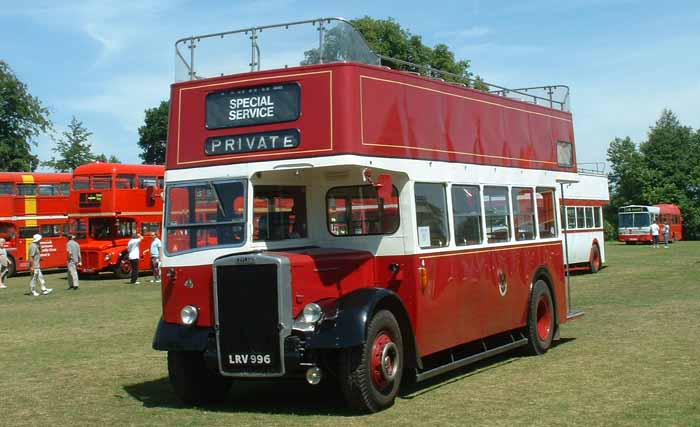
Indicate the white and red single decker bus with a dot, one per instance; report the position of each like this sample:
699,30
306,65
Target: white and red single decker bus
34,203
110,202
341,219
582,220
634,222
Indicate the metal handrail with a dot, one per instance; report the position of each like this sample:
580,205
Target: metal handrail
592,168
427,70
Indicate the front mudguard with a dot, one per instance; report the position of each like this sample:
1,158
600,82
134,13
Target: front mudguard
349,318
174,337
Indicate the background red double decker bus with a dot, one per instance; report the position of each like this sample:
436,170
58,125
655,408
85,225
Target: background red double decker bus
340,219
34,203
110,202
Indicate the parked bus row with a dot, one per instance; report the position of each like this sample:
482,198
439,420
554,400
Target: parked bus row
101,203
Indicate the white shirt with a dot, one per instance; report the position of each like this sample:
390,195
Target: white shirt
654,229
133,247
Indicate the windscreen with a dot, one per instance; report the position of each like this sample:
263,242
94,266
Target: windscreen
204,214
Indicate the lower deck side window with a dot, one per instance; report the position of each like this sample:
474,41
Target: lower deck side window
358,210
497,214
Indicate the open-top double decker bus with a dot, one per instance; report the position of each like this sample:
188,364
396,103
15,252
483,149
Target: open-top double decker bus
34,203
110,202
341,219
634,222
582,220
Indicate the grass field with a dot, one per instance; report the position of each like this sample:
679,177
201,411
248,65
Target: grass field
84,358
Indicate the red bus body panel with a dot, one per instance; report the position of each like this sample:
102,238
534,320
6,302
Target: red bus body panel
364,110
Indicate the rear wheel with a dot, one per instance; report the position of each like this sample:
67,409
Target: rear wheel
370,375
540,319
192,382
595,262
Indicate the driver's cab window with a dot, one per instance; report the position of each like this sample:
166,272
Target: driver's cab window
279,213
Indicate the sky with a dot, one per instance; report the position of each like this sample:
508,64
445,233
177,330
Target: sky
106,61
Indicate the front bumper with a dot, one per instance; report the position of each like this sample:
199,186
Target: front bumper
175,337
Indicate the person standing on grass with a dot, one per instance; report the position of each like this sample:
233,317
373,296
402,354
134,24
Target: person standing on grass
156,251
655,233
35,268
74,260
134,254
4,264
667,233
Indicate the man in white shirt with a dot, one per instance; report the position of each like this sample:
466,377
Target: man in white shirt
655,234
134,254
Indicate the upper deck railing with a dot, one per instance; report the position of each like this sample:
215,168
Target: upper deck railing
319,41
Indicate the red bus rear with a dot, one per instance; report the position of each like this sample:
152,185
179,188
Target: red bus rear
34,203
109,202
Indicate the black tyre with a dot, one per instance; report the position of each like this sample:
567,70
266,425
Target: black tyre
370,375
595,261
192,382
12,266
540,318
123,268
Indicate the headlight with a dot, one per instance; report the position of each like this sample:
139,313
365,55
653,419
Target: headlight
188,315
312,313
108,257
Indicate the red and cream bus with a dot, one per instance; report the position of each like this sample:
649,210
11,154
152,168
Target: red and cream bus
342,219
34,203
634,222
109,202
582,220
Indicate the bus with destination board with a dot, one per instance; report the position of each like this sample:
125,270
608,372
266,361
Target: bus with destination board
634,222
110,202
582,220
332,219
34,203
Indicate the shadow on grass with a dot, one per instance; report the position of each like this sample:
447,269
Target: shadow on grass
266,397
416,390
297,397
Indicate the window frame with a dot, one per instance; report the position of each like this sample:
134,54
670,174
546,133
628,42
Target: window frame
454,214
398,212
446,215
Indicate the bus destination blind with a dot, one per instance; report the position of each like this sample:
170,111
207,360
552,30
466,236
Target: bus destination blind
253,106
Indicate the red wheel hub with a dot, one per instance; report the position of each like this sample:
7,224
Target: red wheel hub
544,318
384,360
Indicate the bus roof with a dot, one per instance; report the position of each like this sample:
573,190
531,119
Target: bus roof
34,177
99,168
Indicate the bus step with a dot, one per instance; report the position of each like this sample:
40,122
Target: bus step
575,314
422,376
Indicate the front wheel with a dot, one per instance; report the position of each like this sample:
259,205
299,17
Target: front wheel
370,374
12,267
123,268
540,318
192,382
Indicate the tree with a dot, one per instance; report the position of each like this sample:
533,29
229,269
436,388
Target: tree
73,149
387,38
663,169
22,117
154,133
104,159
